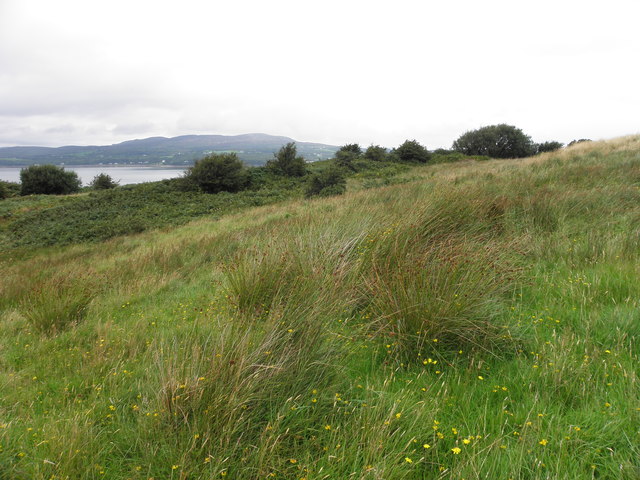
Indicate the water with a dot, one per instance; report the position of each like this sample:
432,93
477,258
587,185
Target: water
124,174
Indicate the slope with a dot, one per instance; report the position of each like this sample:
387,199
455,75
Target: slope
478,321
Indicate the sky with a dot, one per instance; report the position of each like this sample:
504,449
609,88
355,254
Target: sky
81,72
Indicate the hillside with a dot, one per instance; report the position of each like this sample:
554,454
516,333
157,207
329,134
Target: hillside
253,149
476,319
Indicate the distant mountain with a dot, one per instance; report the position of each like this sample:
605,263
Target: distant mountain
252,148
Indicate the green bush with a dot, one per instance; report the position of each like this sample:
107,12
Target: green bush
548,147
48,180
219,172
376,153
352,148
286,162
327,182
496,141
574,142
12,189
103,181
347,155
4,193
412,151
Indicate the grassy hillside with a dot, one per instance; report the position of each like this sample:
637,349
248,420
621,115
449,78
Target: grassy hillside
48,220
474,320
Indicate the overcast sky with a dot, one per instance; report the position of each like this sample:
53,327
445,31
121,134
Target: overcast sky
100,72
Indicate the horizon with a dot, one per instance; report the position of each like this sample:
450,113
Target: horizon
161,137
267,134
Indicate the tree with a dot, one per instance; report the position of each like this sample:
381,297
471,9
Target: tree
412,151
376,153
548,147
103,181
330,181
286,162
219,172
48,180
497,141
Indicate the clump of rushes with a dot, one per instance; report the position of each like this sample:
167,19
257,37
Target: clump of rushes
55,303
436,282
256,280
234,383
303,271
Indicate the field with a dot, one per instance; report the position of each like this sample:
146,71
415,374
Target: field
476,319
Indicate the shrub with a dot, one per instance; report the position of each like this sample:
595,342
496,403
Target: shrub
103,181
48,180
548,147
328,182
286,162
442,151
412,151
573,142
219,172
353,148
11,189
376,153
4,193
497,141
347,154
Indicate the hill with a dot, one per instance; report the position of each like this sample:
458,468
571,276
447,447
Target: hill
253,149
477,319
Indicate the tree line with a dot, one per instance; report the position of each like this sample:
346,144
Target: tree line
220,172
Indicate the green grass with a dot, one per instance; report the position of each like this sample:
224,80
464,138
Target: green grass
48,220
469,320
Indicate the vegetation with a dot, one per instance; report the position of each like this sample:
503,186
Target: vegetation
103,181
548,147
352,148
105,214
375,153
218,172
11,189
412,151
573,142
287,162
496,141
330,181
48,180
47,220
347,155
474,320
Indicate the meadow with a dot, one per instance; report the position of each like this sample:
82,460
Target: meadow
476,319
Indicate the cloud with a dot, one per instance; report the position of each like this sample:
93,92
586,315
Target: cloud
134,128
373,72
